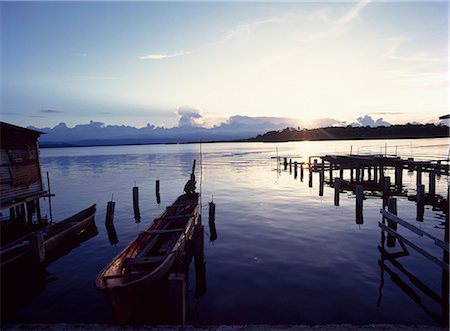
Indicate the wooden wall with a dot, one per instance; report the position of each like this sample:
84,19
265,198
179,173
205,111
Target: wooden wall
20,174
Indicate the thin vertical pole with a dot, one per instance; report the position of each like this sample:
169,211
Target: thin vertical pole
49,198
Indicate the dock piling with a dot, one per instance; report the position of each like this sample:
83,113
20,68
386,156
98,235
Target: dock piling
432,184
337,187
420,201
359,204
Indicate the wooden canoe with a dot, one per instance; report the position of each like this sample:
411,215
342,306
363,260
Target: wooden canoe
55,235
149,258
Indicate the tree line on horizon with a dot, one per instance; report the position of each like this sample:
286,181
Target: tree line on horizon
350,132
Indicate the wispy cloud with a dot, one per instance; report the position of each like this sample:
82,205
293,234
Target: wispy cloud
161,56
92,78
244,30
51,111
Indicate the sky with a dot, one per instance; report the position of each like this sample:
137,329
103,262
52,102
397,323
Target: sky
151,62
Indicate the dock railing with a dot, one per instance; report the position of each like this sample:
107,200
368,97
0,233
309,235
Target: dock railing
390,230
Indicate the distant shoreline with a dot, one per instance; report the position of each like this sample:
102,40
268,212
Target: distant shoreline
248,140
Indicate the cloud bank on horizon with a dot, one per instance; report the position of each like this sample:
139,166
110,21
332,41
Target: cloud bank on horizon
190,128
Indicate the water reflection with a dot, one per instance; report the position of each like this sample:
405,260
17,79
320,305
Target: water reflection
112,235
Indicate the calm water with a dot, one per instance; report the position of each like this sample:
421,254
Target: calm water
283,255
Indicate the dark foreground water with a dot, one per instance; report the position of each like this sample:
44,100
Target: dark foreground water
283,254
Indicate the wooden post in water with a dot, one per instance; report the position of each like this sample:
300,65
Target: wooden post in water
362,174
137,214
386,189
290,165
420,201
381,174
419,176
369,173
351,174
158,196
315,165
399,178
110,212
331,172
176,288
310,179
359,204
295,169
410,164
301,171
37,246
38,211
337,187
49,198
341,171
358,174
445,277
321,180
375,174
285,163
432,184
392,207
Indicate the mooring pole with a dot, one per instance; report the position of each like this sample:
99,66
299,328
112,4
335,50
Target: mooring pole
301,171
337,187
359,204
49,198
432,184
110,212
295,169
419,176
321,180
420,202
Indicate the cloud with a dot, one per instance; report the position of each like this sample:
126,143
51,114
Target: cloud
51,111
93,78
189,117
368,121
160,56
388,113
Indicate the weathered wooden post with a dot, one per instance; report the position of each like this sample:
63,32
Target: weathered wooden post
375,174
351,174
176,287
341,171
386,189
410,164
290,165
362,174
438,168
337,187
399,177
301,171
330,176
285,163
315,165
295,169
392,208
38,211
358,174
211,222
110,212
369,173
37,246
381,174
432,184
137,214
420,201
158,196
419,176
310,179
359,204
445,277
321,180
199,261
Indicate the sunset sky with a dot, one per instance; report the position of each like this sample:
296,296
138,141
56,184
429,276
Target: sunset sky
146,62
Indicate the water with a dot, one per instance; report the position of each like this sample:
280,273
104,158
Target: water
283,254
